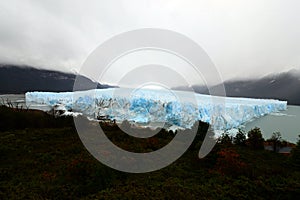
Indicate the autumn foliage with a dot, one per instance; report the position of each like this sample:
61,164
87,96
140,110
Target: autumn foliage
229,163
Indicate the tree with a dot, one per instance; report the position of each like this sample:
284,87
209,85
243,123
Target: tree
225,139
276,140
255,139
295,154
240,138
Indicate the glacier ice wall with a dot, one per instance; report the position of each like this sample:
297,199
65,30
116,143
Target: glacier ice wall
174,108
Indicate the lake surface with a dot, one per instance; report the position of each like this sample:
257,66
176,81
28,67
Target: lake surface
286,122
18,100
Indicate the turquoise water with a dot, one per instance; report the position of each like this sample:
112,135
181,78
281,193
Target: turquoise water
286,122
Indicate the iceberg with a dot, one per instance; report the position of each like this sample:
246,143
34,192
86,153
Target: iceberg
174,108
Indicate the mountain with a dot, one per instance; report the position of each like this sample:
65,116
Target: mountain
21,79
283,86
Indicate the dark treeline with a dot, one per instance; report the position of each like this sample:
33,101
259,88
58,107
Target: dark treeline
43,158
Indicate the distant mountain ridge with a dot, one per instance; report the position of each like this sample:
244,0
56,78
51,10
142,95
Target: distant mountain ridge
283,86
21,79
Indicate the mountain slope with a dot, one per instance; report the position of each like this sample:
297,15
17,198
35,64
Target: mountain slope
15,79
283,86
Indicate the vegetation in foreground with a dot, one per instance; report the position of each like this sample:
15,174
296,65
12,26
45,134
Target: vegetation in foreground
42,157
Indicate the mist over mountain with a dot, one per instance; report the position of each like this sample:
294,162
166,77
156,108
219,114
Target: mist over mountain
283,86
21,79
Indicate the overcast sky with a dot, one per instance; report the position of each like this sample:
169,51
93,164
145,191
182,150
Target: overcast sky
243,38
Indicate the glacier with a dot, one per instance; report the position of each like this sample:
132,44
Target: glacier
144,106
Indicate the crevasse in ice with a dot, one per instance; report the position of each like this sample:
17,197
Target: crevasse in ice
173,108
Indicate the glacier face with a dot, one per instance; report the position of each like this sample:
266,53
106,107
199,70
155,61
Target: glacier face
172,107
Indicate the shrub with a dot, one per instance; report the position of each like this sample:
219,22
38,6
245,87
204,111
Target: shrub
229,162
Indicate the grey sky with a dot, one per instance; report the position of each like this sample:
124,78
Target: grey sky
243,38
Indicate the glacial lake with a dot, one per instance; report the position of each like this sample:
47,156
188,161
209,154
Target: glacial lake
286,122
